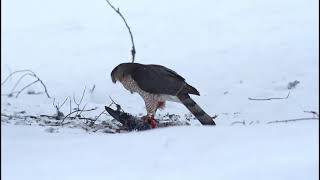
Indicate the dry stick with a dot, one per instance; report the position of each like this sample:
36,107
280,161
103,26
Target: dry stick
26,87
78,104
48,116
70,106
117,105
17,83
82,110
313,113
45,87
238,122
266,99
53,102
63,103
58,107
88,119
112,101
133,50
74,99
76,112
25,70
19,116
92,89
99,115
31,73
290,120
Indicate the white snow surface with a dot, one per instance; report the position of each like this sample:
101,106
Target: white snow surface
229,50
278,152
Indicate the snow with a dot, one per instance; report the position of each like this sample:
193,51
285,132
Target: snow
278,152
229,50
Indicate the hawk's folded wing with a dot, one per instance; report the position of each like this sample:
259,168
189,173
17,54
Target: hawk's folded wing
158,79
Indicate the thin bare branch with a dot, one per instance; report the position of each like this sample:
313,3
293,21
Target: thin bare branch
11,74
74,99
238,122
92,89
19,80
100,115
267,99
68,115
45,87
79,103
313,113
54,103
112,101
291,120
83,109
70,105
48,116
27,72
117,105
117,10
59,114
63,102
26,87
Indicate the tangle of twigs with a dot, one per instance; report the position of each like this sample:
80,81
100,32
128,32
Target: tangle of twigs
26,73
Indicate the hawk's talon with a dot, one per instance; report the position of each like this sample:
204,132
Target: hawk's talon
152,121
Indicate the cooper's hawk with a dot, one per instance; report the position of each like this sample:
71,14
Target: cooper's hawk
157,84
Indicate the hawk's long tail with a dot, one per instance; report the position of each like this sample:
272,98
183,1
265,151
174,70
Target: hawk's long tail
196,110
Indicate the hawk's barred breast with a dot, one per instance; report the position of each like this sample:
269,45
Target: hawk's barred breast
151,100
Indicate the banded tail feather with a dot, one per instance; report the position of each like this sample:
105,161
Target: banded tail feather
196,110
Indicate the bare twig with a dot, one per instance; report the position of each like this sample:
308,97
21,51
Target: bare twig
63,102
238,122
27,72
82,110
92,89
74,99
88,119
79,103
291,120
100,115
76,111
313,113
59,114
19,116
266,99
117,10
57,106
44,86
48,116
54,102
26,87
19,80
117,105
11,74
70,106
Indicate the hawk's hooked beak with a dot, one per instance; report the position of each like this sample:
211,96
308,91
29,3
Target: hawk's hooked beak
113,80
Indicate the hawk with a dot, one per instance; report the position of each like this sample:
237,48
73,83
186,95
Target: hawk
157,84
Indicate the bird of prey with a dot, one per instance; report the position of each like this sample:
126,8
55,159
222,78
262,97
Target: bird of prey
157,84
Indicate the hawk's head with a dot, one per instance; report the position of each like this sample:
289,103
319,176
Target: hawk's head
122,70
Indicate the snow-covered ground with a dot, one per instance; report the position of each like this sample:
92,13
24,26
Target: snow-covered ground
229,50
278,152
